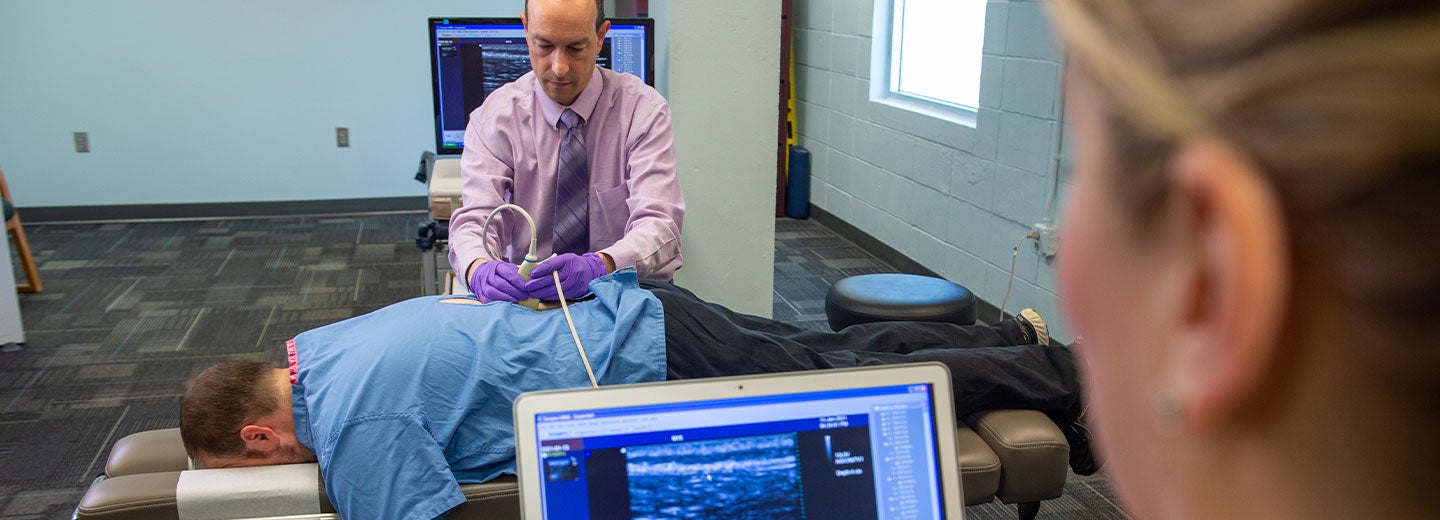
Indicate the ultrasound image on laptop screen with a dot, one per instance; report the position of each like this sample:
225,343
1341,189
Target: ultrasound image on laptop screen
853,454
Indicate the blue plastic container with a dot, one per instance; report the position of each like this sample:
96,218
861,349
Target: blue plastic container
797,184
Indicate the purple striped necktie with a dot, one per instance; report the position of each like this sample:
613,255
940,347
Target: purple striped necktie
572,189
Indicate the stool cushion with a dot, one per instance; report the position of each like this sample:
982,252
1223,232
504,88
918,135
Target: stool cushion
870,298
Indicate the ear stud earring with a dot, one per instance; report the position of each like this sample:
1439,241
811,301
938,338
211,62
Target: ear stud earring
1168,412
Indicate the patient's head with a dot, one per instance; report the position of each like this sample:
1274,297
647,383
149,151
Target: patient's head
237,413
1245,247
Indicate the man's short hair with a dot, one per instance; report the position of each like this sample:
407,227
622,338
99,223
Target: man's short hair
599,12
220,401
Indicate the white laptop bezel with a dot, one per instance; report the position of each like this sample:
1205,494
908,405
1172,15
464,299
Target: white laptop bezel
530,404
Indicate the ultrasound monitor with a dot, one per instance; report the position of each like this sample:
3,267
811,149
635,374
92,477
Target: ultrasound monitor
471,57
872,443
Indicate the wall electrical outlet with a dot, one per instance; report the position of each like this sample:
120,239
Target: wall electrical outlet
82,142
342,137
1049,242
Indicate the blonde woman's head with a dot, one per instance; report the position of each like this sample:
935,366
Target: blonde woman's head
1249,235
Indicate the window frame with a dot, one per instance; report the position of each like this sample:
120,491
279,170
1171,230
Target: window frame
885,72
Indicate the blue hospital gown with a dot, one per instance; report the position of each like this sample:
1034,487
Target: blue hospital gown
403,404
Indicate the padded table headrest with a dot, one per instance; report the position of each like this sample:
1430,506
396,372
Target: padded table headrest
255,492
445,178
444,187
151,451
146,476
145,479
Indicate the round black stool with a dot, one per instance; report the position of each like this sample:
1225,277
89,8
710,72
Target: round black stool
870,298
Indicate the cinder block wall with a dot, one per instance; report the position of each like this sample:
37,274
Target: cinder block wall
954,197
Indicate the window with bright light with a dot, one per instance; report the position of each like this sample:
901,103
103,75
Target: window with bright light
935,48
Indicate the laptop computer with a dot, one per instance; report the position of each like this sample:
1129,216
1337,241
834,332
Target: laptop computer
847,443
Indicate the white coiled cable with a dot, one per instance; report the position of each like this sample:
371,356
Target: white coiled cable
528,265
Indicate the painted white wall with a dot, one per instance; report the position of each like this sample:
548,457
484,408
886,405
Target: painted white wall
954,197
194,102
724,65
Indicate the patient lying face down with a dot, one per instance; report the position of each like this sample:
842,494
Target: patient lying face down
402,405
237,413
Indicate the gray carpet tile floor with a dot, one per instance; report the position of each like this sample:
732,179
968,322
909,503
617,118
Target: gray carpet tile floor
132,309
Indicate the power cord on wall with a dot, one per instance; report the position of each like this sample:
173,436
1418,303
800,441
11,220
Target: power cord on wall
1014,254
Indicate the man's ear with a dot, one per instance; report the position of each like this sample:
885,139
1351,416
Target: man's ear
600,34
1228,335
259,437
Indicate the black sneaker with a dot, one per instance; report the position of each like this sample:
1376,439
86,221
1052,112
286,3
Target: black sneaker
1082,458
1033,326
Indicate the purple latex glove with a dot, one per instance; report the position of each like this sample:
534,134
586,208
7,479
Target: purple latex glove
497,280
576,271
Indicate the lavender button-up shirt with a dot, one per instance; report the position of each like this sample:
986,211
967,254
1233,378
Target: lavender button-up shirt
512,144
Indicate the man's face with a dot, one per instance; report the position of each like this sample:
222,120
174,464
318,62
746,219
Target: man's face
563,44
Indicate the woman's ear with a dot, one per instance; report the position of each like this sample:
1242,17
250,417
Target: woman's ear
1228,335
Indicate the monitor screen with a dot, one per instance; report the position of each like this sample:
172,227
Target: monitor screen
852,453
471,57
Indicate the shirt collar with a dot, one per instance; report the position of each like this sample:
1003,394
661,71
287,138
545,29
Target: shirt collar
584,104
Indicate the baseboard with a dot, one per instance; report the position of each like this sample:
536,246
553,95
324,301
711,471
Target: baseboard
985,311
52,214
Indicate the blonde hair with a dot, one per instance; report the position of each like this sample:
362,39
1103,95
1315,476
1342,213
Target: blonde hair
1338,102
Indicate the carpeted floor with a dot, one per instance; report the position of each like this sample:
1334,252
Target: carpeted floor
130,310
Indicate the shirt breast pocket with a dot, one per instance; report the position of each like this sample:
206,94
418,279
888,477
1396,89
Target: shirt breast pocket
608,209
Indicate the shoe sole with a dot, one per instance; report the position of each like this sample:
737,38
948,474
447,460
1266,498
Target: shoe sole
1042,333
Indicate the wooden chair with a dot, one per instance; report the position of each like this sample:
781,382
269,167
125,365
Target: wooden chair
17,237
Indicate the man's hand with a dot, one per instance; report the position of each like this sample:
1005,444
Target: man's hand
497,280
576,272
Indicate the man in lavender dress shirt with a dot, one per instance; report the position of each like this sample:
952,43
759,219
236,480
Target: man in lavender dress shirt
513,148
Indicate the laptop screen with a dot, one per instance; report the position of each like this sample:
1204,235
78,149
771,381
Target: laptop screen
853,453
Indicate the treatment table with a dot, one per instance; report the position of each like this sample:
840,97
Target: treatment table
146,477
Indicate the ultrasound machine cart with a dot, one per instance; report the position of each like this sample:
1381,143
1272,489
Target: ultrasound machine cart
442,180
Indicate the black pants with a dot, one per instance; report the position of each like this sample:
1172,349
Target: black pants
989,367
